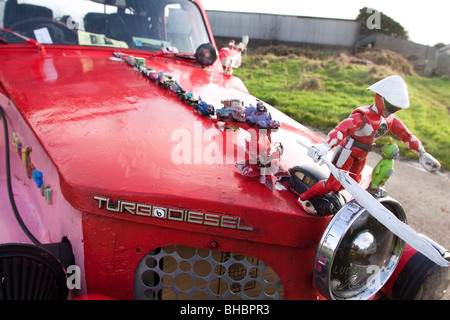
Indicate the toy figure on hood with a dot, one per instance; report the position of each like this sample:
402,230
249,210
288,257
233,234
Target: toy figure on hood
384,169
231,58
355,136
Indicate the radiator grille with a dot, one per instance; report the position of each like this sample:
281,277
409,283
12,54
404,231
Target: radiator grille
180,272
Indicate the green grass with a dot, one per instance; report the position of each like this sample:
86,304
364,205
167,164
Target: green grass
320,90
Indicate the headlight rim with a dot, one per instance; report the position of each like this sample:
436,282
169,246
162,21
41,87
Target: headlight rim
329,245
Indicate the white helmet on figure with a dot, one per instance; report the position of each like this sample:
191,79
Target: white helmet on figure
394,91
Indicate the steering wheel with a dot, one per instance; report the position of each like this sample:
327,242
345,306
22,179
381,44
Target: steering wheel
58,31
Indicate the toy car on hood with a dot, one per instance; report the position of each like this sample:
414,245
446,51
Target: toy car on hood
233,110
204,108
260,117
188,97
111,186
165,79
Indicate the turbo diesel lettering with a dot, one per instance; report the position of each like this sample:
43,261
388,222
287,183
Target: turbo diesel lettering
139,209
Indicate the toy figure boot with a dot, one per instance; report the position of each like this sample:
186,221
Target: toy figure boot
316,190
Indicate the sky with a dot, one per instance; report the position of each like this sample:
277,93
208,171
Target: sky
427,22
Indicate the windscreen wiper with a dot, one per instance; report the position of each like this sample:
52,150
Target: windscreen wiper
172,51
33,42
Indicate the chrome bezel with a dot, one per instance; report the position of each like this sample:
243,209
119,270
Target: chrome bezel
331,241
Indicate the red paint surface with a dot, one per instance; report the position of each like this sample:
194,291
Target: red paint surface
108,130
113,251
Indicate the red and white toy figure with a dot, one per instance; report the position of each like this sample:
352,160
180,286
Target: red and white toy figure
230,57
263,159
355,136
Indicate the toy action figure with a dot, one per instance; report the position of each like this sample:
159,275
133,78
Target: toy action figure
355,136
384,169
230,57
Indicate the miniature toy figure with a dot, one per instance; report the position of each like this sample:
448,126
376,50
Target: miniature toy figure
259,116
265,164
233,110
355,136
230,57
384,169
37,178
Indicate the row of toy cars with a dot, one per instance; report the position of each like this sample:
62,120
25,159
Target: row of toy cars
232,109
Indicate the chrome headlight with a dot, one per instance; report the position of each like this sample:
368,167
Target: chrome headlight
357,254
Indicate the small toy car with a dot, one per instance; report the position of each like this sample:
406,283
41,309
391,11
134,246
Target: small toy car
259,116
176,88
188,97
233,110
130,59
204,108
152,74
139,62
165,79
302,178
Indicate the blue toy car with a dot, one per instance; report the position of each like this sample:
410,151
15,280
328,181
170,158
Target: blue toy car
233,110
204,108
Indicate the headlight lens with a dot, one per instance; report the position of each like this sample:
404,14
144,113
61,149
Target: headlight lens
356,255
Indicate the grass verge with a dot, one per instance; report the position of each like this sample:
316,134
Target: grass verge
320,89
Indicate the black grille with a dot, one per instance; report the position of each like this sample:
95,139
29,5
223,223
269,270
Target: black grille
29,272
179,272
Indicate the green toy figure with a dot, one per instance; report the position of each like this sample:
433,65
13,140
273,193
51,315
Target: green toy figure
384,169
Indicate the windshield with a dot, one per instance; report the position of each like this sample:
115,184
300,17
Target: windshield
135,24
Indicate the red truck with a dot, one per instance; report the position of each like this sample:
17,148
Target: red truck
113,186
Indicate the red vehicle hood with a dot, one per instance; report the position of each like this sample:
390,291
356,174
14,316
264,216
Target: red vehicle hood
110,131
